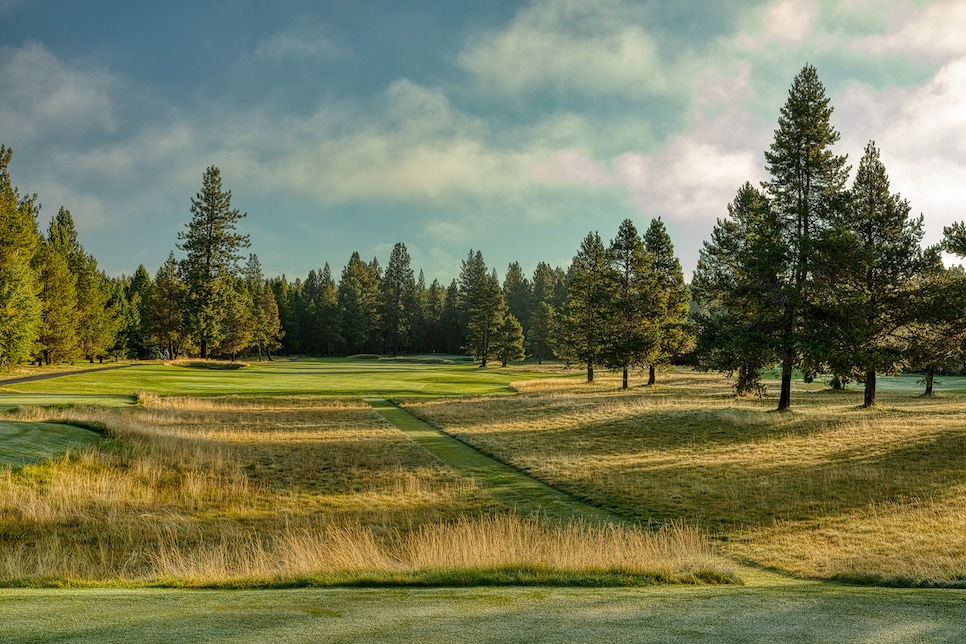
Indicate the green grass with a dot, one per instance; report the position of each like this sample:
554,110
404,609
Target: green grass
804,613
14,400
22,443
289,378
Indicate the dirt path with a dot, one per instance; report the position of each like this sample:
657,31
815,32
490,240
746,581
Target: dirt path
59,374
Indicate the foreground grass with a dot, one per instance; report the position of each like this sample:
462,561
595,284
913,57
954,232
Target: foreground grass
829,491
801,613
268,492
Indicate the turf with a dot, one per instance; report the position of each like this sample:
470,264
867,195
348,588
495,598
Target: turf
22,443
289,378
802,613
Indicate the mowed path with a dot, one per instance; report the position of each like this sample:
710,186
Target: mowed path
520,491
510,486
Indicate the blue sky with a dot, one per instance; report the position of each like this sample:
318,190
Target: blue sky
510,127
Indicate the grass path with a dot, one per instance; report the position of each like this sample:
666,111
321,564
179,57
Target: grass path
510,486
520,491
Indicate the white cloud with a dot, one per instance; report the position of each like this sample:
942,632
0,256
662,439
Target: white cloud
788,22
44,97
306,40
921,132
569,45
933,32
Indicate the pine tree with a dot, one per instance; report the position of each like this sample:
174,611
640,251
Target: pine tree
59,319
508,341
166,317
238,322
675,334
451,325
212,251
485,307
539,342
870,275
19,311
397,300
806,187
433,316
517,293
97,318
582,329
358,297
739,285
635,310
329,314
20,307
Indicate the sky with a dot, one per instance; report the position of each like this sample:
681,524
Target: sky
513,128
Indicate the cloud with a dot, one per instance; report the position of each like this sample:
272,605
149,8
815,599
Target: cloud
305,40
933,32
42,97
569,45
921,132
786,22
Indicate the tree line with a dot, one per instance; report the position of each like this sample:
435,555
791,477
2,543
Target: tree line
806,273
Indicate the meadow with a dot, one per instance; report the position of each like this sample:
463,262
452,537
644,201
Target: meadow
829,491
286,481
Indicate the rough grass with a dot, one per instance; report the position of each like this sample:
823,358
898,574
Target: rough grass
829,491
236,492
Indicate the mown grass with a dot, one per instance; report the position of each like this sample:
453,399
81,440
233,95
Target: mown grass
288,378
22,443
300,490
829,491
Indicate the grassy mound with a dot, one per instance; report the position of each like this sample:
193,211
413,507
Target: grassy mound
217,365
22,443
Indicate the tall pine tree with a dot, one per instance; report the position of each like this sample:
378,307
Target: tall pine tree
212,249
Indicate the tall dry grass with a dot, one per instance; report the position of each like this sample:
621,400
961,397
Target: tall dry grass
201,492
467,545
829,491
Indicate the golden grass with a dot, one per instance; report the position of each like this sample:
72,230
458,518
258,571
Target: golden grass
469,544
201,492
829,491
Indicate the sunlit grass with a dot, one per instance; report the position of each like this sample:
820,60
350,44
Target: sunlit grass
268,491
830,490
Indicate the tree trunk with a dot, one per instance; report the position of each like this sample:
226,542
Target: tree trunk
624,384
930,376
590,372
869,389
204,348
651,375
785,398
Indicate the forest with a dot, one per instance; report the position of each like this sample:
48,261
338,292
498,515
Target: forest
809,273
